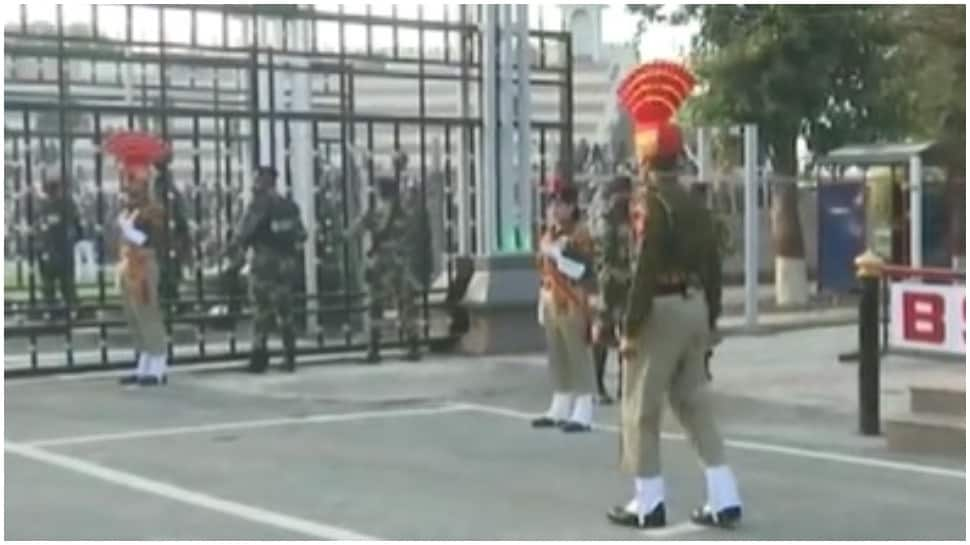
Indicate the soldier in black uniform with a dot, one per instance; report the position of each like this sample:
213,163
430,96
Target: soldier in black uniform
59,226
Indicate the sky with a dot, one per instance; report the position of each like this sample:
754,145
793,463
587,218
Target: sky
660,41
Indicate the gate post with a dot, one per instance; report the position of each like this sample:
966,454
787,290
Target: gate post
868,270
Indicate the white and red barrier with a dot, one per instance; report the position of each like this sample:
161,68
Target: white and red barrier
927,317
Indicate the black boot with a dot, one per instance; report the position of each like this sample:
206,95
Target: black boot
258,361
289,350
374,347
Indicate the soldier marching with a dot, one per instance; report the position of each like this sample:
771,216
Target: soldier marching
672,309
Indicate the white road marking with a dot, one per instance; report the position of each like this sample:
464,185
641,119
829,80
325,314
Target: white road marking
686,527
135,482
241,425
762,447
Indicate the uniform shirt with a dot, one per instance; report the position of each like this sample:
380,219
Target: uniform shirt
566,292
678,240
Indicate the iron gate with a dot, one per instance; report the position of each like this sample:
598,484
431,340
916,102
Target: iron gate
232,87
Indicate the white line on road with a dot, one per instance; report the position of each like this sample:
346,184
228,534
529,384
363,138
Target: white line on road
242,425
762,447
135,482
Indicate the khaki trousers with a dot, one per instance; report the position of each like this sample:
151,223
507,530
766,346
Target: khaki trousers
669,362
145,321
570,356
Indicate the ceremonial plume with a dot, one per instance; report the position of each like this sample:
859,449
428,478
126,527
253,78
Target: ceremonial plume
135,152
652,93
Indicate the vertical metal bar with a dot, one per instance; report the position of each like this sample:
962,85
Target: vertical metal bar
254,94
234,300
272,109
370,195
94,21
524,115
31,252
194,26
465,149
369,32
449,209
18,212
422,137
347,132
100,205
318,241
395,33
66,184
543,179
751,257
287,151
869,354
566,137
197,258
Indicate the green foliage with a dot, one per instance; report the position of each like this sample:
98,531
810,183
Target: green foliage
829,73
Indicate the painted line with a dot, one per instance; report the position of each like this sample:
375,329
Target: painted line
241,425
183,495
763,447
682,528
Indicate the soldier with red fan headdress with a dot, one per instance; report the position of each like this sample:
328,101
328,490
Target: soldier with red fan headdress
141,225
673,304
565,266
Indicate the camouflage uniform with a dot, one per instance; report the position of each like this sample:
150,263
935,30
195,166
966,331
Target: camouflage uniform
60,228
388,270
613,270
272,226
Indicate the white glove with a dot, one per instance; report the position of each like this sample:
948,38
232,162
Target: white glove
569,267
127,224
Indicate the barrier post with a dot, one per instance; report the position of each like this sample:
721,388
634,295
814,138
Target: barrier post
869,270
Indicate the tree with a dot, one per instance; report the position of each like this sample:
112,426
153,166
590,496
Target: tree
816,72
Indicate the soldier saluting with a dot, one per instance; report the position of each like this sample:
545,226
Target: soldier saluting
673,304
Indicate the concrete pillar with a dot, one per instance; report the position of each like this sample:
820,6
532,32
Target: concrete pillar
524,114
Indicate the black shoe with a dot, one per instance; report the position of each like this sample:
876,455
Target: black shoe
547,422
576,427
655,519
152,380
725,518
129,380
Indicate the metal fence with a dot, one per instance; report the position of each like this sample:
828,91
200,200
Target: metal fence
232,87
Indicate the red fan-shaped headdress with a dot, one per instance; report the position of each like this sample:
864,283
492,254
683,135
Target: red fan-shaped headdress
135,152
652,93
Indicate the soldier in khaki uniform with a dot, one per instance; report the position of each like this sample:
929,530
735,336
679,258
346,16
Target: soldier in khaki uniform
565,265
673,305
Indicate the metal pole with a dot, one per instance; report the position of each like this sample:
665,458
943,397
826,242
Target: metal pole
466,152
868,270
751,258
915,211
489,179
506,216
526,187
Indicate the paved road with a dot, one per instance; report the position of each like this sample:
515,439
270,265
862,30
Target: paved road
442,449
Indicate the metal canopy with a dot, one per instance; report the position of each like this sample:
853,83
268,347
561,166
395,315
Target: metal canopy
878,154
